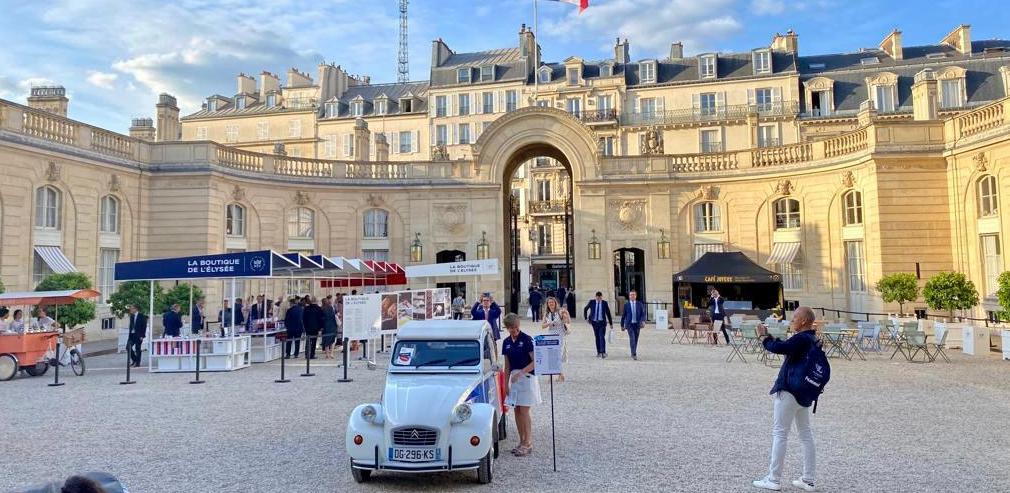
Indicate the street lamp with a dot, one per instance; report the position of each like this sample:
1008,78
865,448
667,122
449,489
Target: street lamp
416,249
663,246
483,249
594,247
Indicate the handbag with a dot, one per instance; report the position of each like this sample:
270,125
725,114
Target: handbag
529,313
610,334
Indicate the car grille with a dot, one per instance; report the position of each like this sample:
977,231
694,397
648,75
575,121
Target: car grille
416,437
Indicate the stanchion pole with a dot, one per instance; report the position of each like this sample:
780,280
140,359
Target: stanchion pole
56,374
308,372
554,443
283,358
129,363
197,380
347,342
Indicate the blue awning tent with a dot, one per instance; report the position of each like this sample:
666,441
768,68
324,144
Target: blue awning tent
262,263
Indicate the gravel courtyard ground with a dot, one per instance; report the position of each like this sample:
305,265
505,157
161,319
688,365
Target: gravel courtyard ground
679,419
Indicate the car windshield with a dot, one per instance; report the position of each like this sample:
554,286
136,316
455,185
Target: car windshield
436,353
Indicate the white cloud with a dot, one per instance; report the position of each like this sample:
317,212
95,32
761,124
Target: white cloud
768,7
651,25
103,80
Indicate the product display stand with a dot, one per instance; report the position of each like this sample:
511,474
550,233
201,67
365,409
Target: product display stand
174,355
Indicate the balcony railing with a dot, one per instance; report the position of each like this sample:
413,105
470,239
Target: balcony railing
710,147
547,206
300,103
596,116
705,114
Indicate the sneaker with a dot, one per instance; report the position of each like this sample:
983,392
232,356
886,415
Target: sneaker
767,484
804,485
604,356
634,357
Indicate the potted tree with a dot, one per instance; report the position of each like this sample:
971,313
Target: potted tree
900,288
78,313
950,292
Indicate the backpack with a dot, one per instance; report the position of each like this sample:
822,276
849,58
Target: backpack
811,374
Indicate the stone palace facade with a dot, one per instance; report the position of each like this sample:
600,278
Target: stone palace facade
831,169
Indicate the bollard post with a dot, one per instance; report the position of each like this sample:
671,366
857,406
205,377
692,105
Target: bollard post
308,372
197,380
129,363
283,359
347,344
56,374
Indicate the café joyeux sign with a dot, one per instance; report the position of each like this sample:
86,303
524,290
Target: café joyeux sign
465,268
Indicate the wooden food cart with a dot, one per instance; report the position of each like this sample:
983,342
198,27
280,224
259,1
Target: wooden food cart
27,350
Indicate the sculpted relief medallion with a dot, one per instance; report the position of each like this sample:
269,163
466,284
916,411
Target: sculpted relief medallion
628,215
450,218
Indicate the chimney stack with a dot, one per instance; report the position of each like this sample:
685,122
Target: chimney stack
622,52
298,79
167,112
52,99
959,39
925,95
439,52
892,45
268,82
143,129
789,42
245,84
328,83
676,51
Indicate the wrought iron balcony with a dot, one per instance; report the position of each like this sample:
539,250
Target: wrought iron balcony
705,114
547,206
300,103
596,116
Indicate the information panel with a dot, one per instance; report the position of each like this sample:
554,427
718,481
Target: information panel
362,316
547,354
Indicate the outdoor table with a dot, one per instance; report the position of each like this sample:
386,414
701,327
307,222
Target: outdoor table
839,342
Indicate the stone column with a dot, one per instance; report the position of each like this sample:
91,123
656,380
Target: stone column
867,113
924,95
361,140
381,147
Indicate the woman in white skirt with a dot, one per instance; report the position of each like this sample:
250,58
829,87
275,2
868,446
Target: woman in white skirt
522,388
557,322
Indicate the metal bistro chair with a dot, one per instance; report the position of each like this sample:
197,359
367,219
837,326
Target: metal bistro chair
735,346
868,338
751,341
680,333
900,335
915,343
940,332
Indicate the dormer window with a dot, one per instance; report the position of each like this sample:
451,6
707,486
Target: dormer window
381,107
706,66
487,73
545,75
463,75
762,62
573,76
872,60
606,70
240,102
647,71
406,105
332,109
358,108
211,105
271,100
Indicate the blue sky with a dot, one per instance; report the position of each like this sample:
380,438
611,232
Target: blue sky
114,57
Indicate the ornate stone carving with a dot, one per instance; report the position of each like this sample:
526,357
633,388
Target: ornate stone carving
981,162
302,197
439,153
374,200
237,193
784,187
848,179
652,142
53,172
279,149
114,185
628,215
707,192
450,218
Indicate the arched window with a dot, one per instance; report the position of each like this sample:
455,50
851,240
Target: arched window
853,203
47,207
234,220
110,214
787,213
300,223
376,223
707,217
988,205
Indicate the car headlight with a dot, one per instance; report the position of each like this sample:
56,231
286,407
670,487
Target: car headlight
371,414
461,413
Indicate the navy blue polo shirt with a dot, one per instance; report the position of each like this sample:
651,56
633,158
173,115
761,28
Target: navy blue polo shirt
518,351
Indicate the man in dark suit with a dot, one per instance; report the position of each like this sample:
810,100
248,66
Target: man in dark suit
536,300
172,321
138,331
196,316
632,320
597,312
312,321
490,311
562,296
239,313
717,313
293,326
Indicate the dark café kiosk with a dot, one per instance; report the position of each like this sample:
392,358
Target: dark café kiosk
748,288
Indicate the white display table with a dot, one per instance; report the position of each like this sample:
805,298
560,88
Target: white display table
1006,344
265,346
216,354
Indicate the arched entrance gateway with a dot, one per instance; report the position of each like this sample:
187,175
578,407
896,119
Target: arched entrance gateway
517,138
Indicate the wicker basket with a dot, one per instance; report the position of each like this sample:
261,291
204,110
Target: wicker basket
73,337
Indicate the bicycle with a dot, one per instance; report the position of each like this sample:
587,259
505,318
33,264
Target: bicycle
71,352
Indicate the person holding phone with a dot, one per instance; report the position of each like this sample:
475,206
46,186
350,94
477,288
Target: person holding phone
716,312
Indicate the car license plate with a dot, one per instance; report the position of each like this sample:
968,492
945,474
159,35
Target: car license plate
414,454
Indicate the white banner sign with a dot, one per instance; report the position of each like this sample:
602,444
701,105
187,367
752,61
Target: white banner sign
662,319
466,268
547,354
362,317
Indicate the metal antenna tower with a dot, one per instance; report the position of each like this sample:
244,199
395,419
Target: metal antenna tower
403,71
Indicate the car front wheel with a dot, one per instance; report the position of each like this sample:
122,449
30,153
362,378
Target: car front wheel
361,475
485,470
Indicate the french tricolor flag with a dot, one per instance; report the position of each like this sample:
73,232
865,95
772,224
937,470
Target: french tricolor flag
583,4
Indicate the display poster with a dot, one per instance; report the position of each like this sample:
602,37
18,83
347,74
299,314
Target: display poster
418,299
390,311
662,319
362,319
547,354
441,304
404,308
